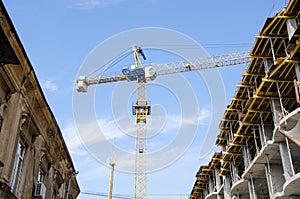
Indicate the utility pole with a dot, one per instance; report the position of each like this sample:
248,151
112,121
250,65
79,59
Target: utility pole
111,181
112,164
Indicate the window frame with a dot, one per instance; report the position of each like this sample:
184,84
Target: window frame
1,122
54,194
41,176
17,169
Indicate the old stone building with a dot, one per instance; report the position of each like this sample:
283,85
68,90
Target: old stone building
34,159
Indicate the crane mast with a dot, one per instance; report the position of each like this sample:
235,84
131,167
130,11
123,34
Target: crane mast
142,108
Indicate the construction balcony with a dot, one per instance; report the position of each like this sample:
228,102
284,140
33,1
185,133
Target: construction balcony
209,184
287,134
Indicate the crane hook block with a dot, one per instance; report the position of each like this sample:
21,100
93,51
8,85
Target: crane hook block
81,85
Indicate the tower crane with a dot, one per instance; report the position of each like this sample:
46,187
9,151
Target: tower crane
142,109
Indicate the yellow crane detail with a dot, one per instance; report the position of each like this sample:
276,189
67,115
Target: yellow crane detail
141,109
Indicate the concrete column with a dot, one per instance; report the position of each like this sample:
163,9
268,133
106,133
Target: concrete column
210,185
287,164
291,27
218,180
250,190
275,179
205,193
231,131
239,116
233,173
10,135
262,135
248,151
227,188
249,93
269,181
267,64
245,156
252,193
255,141
268,176
276,108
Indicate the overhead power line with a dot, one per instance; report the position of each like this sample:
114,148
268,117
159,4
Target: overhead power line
127,196
105,194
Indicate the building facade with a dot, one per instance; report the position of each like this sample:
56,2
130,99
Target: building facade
34,159
260,130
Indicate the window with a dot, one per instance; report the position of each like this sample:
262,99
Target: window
1,122
17,168
41,176
54,194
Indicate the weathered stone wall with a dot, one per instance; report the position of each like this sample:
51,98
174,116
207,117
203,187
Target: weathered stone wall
26,118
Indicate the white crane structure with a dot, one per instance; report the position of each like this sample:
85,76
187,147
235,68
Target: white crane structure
142,109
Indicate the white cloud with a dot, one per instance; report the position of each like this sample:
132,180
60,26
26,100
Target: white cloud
49,85
93,172
177,121
196,119
73,141
117,129
90,136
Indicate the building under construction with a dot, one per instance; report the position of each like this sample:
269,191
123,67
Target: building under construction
260,130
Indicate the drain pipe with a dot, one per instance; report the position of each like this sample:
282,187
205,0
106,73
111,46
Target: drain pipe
74,174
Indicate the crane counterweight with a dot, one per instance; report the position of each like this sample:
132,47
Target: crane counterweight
81,85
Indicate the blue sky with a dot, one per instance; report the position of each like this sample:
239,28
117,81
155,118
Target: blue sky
60,36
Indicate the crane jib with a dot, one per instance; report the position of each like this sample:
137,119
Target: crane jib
149,73
106,80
